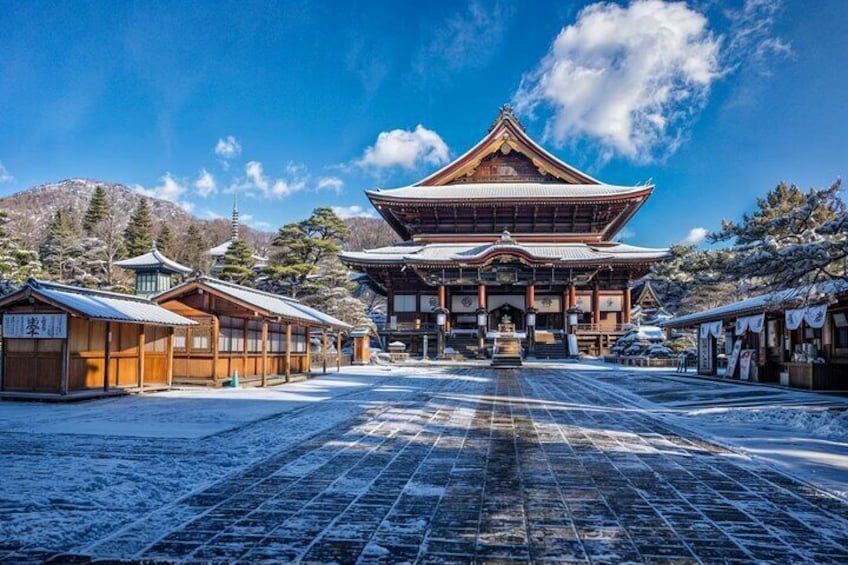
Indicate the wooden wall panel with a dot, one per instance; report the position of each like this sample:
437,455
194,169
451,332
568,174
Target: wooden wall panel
33,365
155,369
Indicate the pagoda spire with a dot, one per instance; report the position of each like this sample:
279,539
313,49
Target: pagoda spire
234,233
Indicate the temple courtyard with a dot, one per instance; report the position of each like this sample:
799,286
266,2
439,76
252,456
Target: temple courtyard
559,462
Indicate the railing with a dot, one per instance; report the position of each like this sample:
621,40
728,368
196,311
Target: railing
601,328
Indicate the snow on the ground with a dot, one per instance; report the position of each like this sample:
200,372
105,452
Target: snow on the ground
74,472
802,433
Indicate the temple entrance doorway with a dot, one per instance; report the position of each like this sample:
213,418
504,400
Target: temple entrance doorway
506,313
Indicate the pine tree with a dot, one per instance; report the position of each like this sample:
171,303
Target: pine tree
60,249
793,238
138,237
98,209
166,243
237,263
17,263
192,250
301,248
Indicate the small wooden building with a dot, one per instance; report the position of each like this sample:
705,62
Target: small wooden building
62,340
262,337
797,337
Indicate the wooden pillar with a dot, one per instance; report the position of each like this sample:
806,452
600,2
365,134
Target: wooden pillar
264,352
244,355
288,352
169,352
572,296
324,347
531,296
596,303
216,328
107,356
66,362
481,296
625,306
338,351
141,340
308,351
442,296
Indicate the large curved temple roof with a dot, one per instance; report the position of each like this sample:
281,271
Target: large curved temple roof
507,181
471,254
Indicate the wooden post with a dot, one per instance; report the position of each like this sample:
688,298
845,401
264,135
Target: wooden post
531,296
481,295
66,363
169,352
338,351
141,339
308,351
324,347
288,352
244,354
625,306
596,304
216,328
107,356
264,353
572,296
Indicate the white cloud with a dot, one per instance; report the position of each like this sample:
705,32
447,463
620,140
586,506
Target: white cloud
330,183
625,77
345,212
404,148
695,236
205,183
752,43
227,148
171,190
257,180
5,175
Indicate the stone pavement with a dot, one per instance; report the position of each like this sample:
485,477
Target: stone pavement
521,466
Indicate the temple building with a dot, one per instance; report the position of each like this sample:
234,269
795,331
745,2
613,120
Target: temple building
507,232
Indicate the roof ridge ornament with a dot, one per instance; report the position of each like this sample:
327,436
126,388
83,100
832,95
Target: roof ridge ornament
506,112
506,238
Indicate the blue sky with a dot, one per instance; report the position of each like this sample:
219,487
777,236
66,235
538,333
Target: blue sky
306,104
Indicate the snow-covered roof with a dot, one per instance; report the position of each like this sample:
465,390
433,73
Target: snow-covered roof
221,250
274,304
151,259
101,305
471,252
771,301
507,191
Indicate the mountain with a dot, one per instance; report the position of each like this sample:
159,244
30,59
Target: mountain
30,210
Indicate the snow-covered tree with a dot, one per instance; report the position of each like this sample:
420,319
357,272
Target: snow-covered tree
17,263
60,251
792,238
331,291
237,263
300,250
98,208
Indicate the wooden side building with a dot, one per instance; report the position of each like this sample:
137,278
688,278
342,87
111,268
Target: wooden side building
61,341
262,337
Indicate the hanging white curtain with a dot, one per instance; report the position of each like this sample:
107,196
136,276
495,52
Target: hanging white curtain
794,318
816,315
741,326
756,323
716,329
705,330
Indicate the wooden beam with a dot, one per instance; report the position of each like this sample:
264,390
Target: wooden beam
216,329
308,351
596,303
625,306
288,352
244,349
66,362
107,356
141,340
169,352
338,351
264,352
324,347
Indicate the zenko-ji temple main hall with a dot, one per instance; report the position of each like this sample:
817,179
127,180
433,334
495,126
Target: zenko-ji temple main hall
507,233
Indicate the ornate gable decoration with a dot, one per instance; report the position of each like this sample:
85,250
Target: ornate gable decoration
507,154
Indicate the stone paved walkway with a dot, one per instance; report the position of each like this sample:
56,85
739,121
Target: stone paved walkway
541,466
